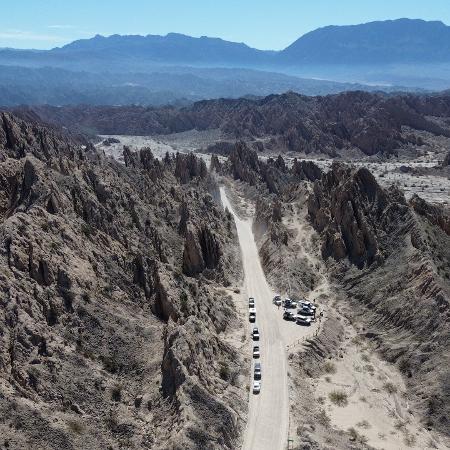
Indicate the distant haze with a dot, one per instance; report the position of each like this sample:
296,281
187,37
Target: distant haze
394,55
263,24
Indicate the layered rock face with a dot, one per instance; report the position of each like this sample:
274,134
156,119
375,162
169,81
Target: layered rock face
112,318
354,214
243,164
392,259
334,124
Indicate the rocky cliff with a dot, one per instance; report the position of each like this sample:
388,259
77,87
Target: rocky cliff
113,321
392,259
336,124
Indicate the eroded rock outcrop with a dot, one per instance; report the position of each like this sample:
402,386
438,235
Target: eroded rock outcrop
391,258
369,123
435,214
105,342
354,213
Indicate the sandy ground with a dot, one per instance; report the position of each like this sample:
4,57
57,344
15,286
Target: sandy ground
186,142
434,189
268,418
376,406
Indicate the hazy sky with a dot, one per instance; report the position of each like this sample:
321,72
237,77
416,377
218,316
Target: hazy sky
265,24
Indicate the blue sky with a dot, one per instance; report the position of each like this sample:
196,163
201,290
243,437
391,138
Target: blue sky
265,24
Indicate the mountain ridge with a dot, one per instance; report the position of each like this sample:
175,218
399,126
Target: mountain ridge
408,53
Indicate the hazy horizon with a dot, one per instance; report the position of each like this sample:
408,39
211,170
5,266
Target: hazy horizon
262,25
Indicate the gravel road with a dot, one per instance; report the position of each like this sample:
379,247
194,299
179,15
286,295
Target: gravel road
268,418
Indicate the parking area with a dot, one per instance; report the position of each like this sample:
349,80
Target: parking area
297,320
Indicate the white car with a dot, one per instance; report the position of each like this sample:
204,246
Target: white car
256,387
306,304
256,353
302,320
277,300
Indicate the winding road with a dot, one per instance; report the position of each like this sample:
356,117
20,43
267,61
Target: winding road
268,416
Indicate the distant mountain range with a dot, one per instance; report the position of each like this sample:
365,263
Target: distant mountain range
384,55
402,41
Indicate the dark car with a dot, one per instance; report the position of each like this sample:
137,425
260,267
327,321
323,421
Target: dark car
255,334
287,315
257,371
288,303
306,312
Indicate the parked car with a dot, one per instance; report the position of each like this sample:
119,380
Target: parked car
255,334
252,315
251,302
305,312
256,353
277,300
257,371
256,387
288,303
303,320
288,315
306,304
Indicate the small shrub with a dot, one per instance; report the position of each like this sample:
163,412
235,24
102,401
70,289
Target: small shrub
116,393
339,398
365,357
75,426
329,367
390,388
400,425
88,230
224,371
184,303
409,439
323,418
328,379
355,436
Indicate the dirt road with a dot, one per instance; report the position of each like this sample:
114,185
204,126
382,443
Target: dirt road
268,419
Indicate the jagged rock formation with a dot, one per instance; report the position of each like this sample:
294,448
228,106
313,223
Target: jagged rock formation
446,161
243,164
353,213
105,342
334,124
392,260
436,215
